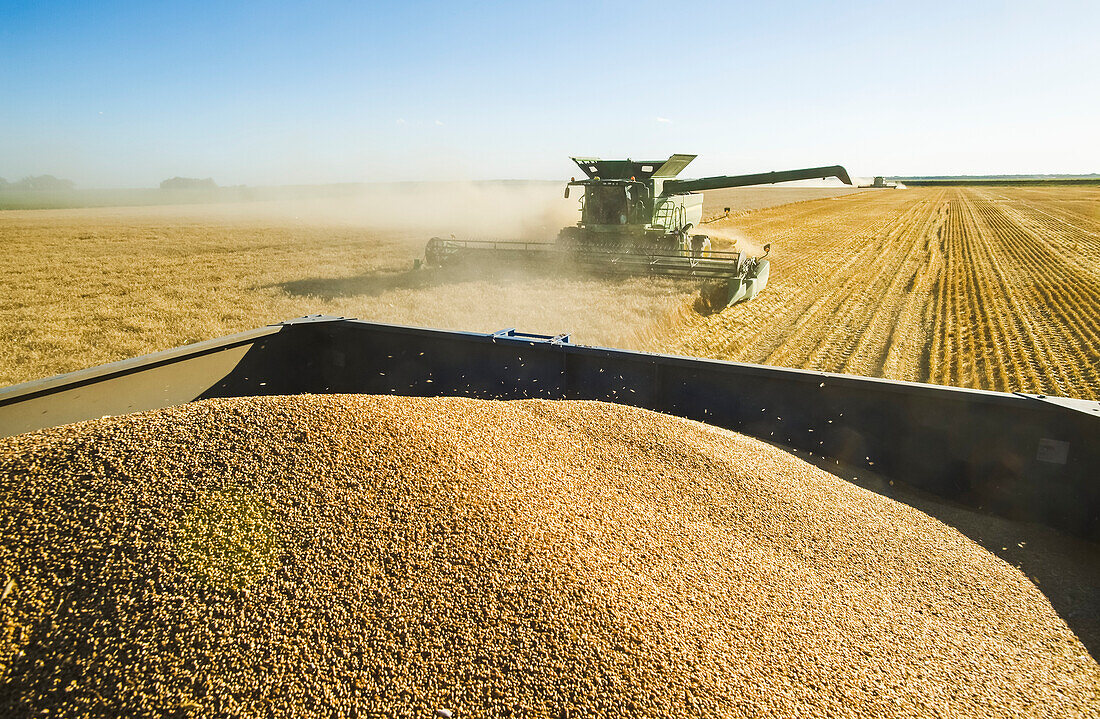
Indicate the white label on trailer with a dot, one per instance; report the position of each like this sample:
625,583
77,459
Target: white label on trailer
1052,451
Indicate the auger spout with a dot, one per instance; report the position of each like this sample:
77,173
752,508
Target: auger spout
672,187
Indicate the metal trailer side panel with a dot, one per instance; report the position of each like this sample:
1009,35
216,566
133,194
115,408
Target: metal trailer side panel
1023,456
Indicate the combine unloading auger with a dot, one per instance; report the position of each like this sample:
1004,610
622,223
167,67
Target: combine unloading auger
636,218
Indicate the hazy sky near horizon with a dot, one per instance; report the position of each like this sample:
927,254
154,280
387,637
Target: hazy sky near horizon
126,94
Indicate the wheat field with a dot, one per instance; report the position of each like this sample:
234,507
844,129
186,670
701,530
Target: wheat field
983,287
84,287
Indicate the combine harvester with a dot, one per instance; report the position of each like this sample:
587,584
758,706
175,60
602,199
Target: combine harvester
637,218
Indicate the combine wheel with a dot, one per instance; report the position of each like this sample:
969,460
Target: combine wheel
434,253
700,246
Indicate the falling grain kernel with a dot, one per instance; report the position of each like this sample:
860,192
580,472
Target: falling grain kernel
385,556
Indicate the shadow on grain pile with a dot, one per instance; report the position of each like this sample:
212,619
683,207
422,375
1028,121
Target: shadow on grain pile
325,555
1064,568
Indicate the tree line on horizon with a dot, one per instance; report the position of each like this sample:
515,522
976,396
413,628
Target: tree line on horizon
49,183
37,182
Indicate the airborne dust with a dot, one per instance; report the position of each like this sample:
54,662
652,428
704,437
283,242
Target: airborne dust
378,281
97,284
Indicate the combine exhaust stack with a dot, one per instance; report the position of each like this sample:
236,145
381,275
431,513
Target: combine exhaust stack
636,218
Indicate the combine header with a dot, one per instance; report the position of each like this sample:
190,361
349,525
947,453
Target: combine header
637,218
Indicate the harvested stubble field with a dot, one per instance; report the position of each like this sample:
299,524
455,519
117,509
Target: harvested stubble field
988,288
379,556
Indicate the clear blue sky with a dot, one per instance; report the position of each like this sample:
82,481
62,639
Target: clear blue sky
125,94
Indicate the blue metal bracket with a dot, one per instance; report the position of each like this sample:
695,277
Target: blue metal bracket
310,319
511,334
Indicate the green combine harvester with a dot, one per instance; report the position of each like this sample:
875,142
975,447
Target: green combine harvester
637,218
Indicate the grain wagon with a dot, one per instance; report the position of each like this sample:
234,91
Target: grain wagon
1025,456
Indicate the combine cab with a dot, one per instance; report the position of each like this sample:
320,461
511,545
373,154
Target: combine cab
637,218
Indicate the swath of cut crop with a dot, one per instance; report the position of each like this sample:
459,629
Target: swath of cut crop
1056,296
854,337
807,254
973,287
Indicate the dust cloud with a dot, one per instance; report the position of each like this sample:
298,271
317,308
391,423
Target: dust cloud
728,238
469,210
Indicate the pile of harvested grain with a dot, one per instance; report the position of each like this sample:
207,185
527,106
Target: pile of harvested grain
359,556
